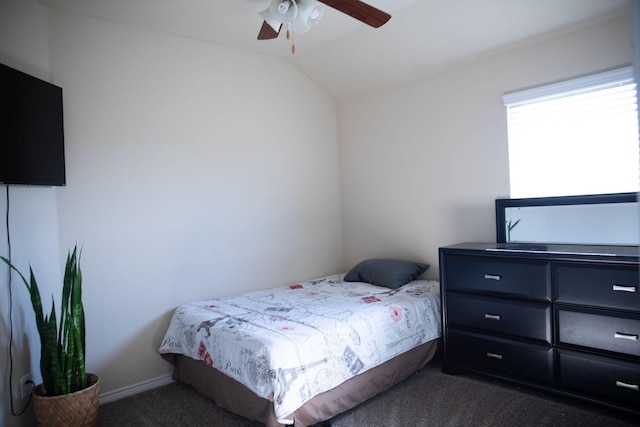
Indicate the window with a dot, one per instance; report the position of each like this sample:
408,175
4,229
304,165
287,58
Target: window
574,137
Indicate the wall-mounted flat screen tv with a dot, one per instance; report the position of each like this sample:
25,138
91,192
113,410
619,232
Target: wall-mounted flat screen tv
31,130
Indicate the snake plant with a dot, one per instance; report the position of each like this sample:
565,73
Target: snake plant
510,226
62,346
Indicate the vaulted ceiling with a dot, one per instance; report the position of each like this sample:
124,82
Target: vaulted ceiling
348,58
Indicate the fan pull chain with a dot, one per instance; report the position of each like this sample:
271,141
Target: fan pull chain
290,26
290,37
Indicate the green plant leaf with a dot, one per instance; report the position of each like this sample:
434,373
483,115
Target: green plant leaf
62,352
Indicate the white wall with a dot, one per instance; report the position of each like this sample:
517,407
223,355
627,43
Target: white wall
24,45
192,171
423,162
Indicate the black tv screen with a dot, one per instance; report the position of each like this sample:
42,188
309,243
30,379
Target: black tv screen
31,130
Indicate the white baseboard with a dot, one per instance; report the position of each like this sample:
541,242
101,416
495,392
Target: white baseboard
123,392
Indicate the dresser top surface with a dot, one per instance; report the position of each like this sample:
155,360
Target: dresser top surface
551,249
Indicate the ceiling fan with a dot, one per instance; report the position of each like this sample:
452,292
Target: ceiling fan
301,15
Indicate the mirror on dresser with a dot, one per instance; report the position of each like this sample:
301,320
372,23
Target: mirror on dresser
603,219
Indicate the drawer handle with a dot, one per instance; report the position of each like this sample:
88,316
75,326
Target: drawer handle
626,385
492,276
492,316
494,356
623,288
625,336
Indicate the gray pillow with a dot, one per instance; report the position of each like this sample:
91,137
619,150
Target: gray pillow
391,273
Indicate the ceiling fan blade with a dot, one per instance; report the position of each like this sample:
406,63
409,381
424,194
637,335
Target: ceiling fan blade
360,11
267,32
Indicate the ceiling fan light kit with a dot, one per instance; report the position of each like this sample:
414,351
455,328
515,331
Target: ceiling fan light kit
300,15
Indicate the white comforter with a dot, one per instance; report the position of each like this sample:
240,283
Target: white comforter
290,343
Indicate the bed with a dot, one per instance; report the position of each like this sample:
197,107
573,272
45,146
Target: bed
303,353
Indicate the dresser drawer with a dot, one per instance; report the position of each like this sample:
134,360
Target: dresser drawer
498,315
601,330
617,381
611,286
520,278
502,356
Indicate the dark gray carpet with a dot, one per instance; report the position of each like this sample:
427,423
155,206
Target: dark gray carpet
428,398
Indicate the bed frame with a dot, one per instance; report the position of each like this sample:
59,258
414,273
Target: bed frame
235,397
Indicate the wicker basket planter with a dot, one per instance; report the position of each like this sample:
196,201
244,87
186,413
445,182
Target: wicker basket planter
68,410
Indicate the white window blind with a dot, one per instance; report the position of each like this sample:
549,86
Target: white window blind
574,137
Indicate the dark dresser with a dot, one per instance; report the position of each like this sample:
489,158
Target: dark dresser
560,317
